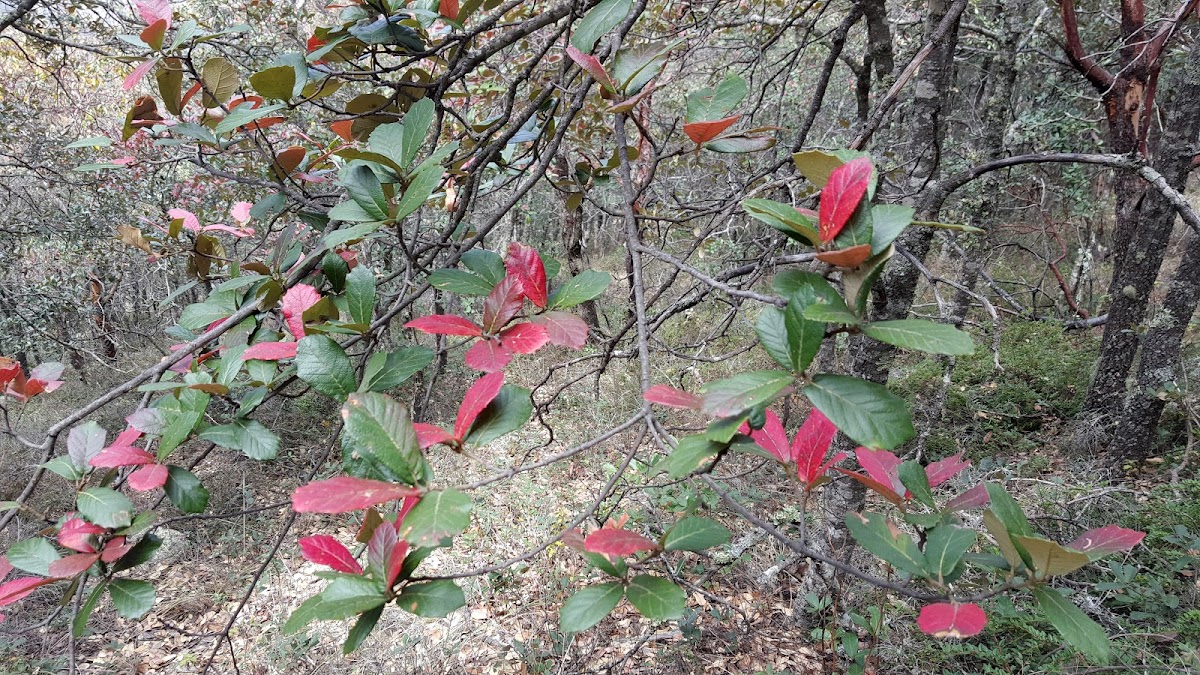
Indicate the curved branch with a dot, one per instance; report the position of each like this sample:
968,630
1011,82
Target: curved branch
1100,78
22,8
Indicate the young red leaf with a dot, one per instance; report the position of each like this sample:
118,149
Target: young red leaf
153,34
848,258
346,493
845,189
271,351
386,551
121,455
148,477
969,499
298,298
475,400
115,549
42,379
5,567
139,421
448,9
9,370
524,263
672,397
613,541
429,435
882,466
524,338
502,304
882,490
488,355
1107,539
154,10
811,443
705,131
771,437
444,324
563,329
189,219
323,549
945,619
573,538
76,534
17,589
72,565
943,470
593,67
138,73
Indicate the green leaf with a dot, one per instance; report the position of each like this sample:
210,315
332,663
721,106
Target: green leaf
695,533
587,285
185,490
105,507
599,21
746,390
655,597
724,429
773,335
944,548
243,115
335,270
888,221
63,466
879,536
816,165
79,623
785,218
1008,510
740,143
85,442
199,315
250,436
509,411
130,597
388,370
438,515
924,336
379,434
858,282
432,599
181,413
612,567
690,453
349,212
33,556
1080,631
220,79
424,182
416,125
361,629
360,294
487,264
141,553
278,82
999,532
347,596
634,66
913,476
866,412
460,282
364,188
829,309
323,364
708,105
588,606
1049,559
90,142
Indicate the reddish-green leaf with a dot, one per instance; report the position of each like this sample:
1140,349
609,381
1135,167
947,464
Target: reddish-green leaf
475,400
593,67
323,549
945,619
122,455
702,132
502,304
271,351
445,324
943,470
1105,540
618,542
429,435
73,565
77,535
771,437
346,493
672,397
149,477
810,445
845,189
563,329
298,298
969,499
488,355
524,263
17,589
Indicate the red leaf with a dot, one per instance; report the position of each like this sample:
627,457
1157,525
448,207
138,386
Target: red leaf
524,263
187,97
343,128
323,549
428,434
573,538
298,298
672,397
115,549
153,34
488,355
845,189
811,443
502,304
945,619
76,534
140,422
847,257
138,73
448,9
771,437
969,499
346,493
524,338
385,552
287,160
593,67
5,567
19,588
148,477
943,470
154,10
613,541
475,400
9,369
874,485
882,466
72,565
703,132
1107,539
121,455
190,221
270,351
42,379
444,324
563,329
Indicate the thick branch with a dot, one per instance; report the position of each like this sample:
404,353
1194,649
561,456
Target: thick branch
1100,78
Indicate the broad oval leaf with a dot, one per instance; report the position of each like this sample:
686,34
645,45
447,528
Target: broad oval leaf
1080,631
879,536
323,549
105,507
131,598
588,606
438,516
866,412
1105,540
844,190
655,597
746,390
945,619
923,336
617,542
380,439
347,493
323,364
431,599
696,533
